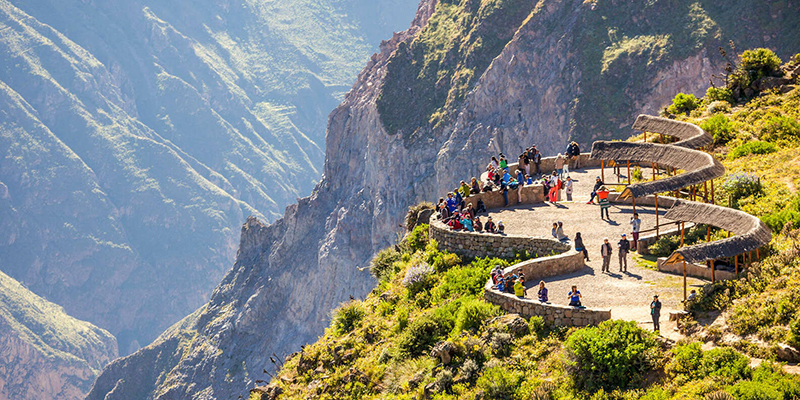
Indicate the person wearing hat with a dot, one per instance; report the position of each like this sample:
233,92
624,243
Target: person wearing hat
598,183
623,246
602,196
500,227
490,226
655,312
605,251
476,223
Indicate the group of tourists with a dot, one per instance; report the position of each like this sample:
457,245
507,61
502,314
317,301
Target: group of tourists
461,216
513,282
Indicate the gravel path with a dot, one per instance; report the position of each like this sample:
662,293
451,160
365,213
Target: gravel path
629,293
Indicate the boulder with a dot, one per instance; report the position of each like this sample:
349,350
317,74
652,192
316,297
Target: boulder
444,351
515,324
787,353
268,392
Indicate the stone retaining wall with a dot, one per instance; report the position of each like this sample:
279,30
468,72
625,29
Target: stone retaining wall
555,314
548,165
533,194
475,244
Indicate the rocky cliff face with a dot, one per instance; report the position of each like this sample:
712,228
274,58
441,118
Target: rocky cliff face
136,136
45,353
538,88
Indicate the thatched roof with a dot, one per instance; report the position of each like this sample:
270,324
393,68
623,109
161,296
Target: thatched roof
750,232
690,135
699,166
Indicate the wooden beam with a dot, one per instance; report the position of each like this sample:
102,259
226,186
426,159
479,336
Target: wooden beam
655,196
603,170
629,172
684,281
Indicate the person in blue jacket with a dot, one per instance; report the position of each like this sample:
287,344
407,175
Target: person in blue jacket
451,202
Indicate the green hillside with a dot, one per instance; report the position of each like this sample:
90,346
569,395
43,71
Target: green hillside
136,136
380,348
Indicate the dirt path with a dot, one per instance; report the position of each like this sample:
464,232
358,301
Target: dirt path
628,294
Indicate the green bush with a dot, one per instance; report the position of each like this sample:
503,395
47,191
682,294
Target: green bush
759,63
473,313
461,281
665,245
382,266
791,213
749,390
778,128
615,354
686,361
418,238
755,147
347,317
741,185
420,336
683,104
719,126
719,94
725,362
418,278
500,383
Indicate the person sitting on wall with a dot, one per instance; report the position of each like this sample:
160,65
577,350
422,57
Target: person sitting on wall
579,247
469,211
455,222
537,159
452,203
500,227
574,297
476,223
519,289
490,227
475,186
543,293
560,233
464,190
598,183
503,162
466,222
521,275
494,164
481,207
444,213
528,180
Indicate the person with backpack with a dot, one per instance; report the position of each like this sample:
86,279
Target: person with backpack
606,251
559,164
598,183
622,248
655,312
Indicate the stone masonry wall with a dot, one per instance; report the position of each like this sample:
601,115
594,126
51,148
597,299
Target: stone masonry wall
555,314
475,244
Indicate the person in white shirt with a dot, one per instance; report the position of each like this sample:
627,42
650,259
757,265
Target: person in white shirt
636,223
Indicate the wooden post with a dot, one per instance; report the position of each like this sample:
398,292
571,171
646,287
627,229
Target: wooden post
758,257
645,136
603,170
736,264
629,172
654,171
684,281
662,138
656,199
683,226
705,191
712,191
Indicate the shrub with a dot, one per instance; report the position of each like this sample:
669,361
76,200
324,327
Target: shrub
718,107
725,362
683,103
615,354
418,278
778,128
444,261
461,281
719,94
755,147
473,313
686,360
719,395
469,370
443,382
720,127
741,185
418,238
794,332
382,266
500,383
759,63
420,336
749,390
791,213
347,317
501,343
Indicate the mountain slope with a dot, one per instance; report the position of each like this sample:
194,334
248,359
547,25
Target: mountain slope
289,275
44,350
135,137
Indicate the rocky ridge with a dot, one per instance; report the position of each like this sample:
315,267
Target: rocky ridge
289,275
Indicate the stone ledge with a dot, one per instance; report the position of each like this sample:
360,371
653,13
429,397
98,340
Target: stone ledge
555,314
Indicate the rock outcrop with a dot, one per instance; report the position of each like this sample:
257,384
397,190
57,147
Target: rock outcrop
289,275
45,353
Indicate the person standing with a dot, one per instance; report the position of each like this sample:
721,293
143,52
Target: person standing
655,312
605,251
537,159
560,164
574,297
636,223
622,247
602,195
568,188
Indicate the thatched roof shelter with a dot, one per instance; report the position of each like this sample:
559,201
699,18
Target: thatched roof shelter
690,135
699,166
750,232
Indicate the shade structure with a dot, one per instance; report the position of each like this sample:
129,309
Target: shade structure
699,166
689,135
751,233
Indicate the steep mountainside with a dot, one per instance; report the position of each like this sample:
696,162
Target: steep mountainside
289,275
136,136
45,353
